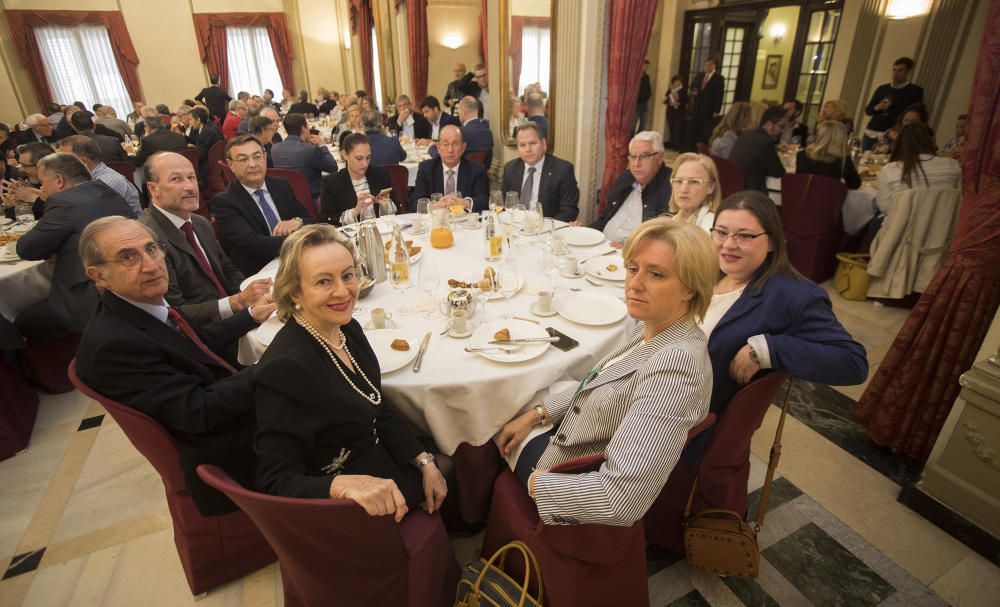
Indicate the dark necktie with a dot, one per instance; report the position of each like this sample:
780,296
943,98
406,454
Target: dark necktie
265,208
529,185
188,332
188,230
704,82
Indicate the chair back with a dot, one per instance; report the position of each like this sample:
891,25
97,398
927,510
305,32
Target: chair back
399,177
810,213
702,148
192,155
731,178
479,157
228,176
214,182
125,169
300,187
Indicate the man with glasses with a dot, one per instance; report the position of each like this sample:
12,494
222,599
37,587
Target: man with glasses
255,213
449,172
406,123
143,353
39,130
73,201
25,189
641,192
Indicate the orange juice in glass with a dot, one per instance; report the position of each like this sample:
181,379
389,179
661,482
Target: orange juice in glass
442,236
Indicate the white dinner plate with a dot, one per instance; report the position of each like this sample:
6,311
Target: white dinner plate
496,294
5,258
598,267
591,308
265,274
579,236
390,360
5,220
519,329
268,329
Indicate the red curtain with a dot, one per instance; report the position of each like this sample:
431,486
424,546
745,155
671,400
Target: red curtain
210,30
517,25
21,23
362,21
416,21
631,23
912,393
484,29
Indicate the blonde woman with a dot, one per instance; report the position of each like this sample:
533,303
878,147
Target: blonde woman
736,120
353,124
695,193
828,155
836,109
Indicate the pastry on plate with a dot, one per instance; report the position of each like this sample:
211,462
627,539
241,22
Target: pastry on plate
400,344
502,335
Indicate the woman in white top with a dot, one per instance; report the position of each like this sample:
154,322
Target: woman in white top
695,192
915,165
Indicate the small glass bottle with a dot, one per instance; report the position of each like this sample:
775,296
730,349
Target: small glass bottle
493,237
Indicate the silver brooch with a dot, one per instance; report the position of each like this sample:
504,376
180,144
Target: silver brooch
336,466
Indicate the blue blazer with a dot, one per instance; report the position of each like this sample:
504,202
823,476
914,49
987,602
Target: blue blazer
804,338
310,160
385,149
472,182
477,136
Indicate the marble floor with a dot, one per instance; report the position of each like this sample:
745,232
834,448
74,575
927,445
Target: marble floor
83,519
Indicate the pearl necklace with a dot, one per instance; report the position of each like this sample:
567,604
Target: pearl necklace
375,397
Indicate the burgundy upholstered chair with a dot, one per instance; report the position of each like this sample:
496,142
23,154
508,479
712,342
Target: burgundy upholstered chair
731,177
214,181
213,549
723,469
478,157
192,155
125,169
44,362
300,186
811,215
580,564
702,148
333,552
399,176
18,407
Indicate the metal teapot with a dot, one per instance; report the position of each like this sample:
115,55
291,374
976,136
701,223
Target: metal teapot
372,250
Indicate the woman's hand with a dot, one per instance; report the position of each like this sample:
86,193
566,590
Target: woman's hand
515,431
365,200
576,223
435,488
378,496
743,368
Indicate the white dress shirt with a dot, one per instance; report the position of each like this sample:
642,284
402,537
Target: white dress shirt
267,198
628,217
157,311
406,129
225,308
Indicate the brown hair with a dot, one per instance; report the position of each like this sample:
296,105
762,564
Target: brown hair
762,207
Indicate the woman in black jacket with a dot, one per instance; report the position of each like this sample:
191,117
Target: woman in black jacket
828,155
347,193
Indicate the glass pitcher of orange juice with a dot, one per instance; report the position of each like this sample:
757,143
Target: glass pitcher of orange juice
442,223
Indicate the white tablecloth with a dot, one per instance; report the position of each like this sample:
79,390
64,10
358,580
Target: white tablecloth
458,396
23,284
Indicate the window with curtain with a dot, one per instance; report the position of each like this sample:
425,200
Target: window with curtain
251,61
534,56
80,66
378,70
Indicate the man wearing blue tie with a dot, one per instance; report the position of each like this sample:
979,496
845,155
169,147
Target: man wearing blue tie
255,213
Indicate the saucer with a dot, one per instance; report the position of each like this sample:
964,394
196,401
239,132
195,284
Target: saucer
389,324
579,274
468,331
534,310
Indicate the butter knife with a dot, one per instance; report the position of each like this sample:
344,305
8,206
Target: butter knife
527,340
420,353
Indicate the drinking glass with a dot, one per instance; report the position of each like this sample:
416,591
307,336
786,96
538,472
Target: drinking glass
508,282
496,201
422,219
399,278
435,200
483,296
23,213
533,216
369,211
511,201
428,280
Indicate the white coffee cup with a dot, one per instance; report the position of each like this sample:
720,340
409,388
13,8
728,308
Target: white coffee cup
379,317
459,321
544,301
569,266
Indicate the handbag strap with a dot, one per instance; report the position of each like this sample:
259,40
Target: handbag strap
530,566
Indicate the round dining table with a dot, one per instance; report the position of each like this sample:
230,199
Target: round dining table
463,397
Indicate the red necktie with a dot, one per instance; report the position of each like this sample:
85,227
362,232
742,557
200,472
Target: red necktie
186,329
704,82
188,230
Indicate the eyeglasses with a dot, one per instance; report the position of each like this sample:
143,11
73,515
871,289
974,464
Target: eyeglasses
695,181
741,239
642,157
131,259
258,157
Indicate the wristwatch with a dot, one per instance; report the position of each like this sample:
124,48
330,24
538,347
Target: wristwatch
423,461
753,355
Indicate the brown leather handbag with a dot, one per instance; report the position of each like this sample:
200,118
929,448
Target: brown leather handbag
720,541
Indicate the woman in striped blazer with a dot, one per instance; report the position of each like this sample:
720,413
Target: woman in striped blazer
638,404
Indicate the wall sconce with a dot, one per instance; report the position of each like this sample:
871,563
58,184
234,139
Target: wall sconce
904,9
452,41
777,32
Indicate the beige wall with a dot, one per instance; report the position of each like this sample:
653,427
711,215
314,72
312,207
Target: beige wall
789,17
446,18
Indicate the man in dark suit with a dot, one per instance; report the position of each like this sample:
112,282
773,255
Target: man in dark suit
303,152
159,138
73,201
755,151
208,135
39,129
204,283
476,84
641,192
384,149
794,128
111,147
142,353
476,134
454,91
214,97
255,213
451,172
707,103
430,107
540,176
407,123
535,105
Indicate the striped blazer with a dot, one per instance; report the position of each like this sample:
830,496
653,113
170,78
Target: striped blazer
637,411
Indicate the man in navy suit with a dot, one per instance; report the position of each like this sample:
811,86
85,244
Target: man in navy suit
304,152
475,133
707,103
450,172
535,104
255,213
540,176
385,149
430,107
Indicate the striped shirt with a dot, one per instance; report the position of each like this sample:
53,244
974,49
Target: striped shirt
117,182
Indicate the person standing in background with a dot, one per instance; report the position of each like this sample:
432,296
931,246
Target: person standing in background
642,102
676,101
889,100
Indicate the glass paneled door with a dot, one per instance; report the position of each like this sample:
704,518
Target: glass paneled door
733,61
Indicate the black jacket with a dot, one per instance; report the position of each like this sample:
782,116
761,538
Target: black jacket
557,188
709,100
159,141
338,193
208,135
840,170
655,196
304,107
755,152
216,100
421,126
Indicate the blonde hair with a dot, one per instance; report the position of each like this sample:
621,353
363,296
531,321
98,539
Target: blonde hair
757,109
830,143
287,283
737,119
714,197
839,109
695,261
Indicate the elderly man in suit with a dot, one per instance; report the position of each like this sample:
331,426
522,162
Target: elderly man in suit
430,107
39,129
108,118
87,151
214,97
385,149
204,283
707,103
255,213
159,138
28,155
450,172
143,353
476,133
303,152
541,177
407,123
73,201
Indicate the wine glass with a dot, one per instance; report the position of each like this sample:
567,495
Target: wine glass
496,201
428,280
423,220
507,283
399,278
483,295
364,275
511,201
23,213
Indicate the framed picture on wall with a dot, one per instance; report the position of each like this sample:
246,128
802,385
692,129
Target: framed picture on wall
772,68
